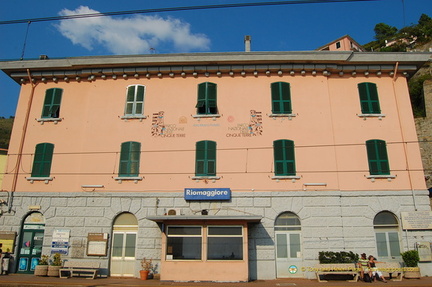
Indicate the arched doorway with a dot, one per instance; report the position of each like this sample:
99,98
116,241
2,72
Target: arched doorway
125,230
288,245
31,242
386,227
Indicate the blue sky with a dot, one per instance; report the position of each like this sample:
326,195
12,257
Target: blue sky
293,27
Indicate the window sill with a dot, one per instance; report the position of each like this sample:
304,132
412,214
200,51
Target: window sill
293,178
33,179
365,116
373,177
133,117
214,178
289,116
43,120
214,116
135,179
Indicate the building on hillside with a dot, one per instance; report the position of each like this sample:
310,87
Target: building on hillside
344,43
218,166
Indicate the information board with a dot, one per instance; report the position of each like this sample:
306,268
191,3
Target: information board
97,244
416,220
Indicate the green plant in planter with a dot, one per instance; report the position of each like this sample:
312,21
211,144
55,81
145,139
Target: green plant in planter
56,261
44,260
411,258
337,257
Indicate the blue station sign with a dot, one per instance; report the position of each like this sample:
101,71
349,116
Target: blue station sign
207,194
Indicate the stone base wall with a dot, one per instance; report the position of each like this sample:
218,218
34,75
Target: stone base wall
330,220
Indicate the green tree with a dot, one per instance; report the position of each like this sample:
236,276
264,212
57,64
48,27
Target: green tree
384,31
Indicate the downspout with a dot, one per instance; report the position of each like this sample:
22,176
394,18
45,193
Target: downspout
403,138
21,145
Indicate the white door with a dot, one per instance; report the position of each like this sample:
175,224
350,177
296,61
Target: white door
123,247
288,254
123,254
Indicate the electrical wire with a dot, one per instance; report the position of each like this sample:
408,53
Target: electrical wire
175,9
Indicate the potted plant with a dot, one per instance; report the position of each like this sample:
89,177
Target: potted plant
54,267
147,266
411,259
42,268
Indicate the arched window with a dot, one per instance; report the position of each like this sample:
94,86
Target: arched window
386,228
207,99
284,158
205,158
369,101
51,106
134,100
281,98
130,159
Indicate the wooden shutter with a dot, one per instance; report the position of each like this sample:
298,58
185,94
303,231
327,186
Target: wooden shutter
205,159
42,160
130,159
284,158
377,157
369,98
281,98
51,107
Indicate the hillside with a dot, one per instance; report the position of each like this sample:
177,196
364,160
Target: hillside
5,131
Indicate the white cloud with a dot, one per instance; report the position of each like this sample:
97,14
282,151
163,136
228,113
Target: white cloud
129,35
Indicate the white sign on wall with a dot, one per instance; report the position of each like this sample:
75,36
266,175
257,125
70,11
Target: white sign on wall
416,220
60,241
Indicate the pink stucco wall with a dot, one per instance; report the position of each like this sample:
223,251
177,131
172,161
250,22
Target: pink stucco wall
329,135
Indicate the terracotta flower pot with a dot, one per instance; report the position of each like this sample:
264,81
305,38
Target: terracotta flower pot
144,274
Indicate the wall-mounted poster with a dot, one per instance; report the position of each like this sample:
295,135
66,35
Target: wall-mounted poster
97,244
424,250
60,241
7,240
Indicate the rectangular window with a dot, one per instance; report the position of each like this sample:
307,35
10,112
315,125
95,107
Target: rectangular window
377,157
284,158
42,160
281,98
184,242
205,164
129,159
369,98
225,243
135,100
207,99
51,107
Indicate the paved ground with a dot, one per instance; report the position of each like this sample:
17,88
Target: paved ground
35,281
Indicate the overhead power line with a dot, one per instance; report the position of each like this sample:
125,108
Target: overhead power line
174,9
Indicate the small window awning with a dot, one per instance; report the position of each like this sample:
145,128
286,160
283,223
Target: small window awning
245,218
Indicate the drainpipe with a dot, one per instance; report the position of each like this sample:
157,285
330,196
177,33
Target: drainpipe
21,145
403,138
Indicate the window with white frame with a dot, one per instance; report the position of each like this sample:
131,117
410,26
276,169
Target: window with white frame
386,229
134,101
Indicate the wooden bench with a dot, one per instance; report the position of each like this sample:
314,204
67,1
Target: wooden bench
391,269
337,269
79,268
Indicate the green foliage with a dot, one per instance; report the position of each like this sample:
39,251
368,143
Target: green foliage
44,260
5,131
411,258
420,33
416,92
56,261
337,257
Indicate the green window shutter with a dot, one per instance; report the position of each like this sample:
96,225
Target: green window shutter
281,98
377,157
369,100
205,164
135,100
207,98
129,159
284,158
51,107
42,160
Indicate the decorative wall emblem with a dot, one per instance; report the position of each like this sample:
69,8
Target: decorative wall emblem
255,123
161,129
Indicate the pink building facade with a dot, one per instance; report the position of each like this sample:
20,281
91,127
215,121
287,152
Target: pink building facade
219,166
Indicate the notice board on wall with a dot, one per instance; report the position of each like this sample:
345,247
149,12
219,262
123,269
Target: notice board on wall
97,244
7,240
